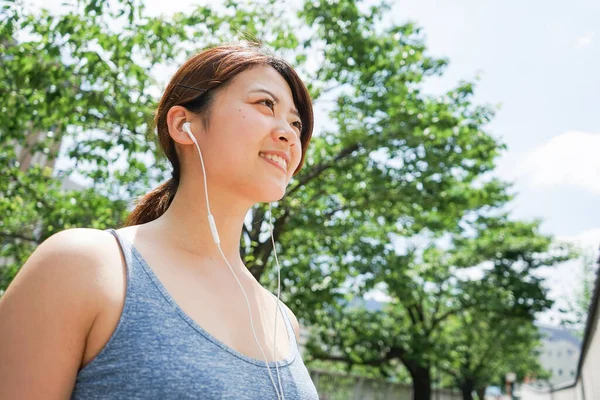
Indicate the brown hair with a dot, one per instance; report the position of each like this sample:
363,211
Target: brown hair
194,87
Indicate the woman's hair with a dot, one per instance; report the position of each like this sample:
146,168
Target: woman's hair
194,87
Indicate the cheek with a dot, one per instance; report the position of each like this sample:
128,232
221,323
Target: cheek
248,114
238,129
296,155
250,128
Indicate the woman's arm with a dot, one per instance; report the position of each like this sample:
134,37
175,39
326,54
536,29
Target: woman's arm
46,314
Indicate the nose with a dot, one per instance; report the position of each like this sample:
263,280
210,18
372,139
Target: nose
285,133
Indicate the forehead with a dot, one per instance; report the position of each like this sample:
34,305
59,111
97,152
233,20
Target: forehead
262,77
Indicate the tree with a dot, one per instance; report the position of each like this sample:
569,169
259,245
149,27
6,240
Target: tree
69,79
439,306
482,346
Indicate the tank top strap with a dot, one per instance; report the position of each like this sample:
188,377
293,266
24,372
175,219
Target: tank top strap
288,324
127,251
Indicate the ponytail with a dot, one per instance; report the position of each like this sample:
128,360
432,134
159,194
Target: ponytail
153,204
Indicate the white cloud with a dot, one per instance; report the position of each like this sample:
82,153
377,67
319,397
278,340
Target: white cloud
570,159
588,240
585,40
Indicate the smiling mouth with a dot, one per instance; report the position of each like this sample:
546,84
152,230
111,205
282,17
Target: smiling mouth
275,160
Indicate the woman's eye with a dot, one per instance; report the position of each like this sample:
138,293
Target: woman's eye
297,125
267,102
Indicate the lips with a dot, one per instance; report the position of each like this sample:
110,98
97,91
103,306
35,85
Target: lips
278,158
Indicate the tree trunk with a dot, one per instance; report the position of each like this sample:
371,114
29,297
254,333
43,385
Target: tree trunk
421,382
481,393
466,387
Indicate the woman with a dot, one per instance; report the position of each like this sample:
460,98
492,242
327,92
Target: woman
163,308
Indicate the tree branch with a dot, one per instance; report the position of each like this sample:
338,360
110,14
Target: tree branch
436,307
318,194
327,90
19,236
451,312
245,233
445,315
335,210
451,372
419,308
412,316
485,357
258,214
321,167
263,250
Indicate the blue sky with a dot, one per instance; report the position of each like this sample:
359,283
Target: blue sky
540,60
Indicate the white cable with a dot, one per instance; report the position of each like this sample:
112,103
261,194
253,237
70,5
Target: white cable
213,228
252,324
277,300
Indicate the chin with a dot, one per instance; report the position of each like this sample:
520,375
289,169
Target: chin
269,193
273,196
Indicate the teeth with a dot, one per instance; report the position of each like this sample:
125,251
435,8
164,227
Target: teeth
278,159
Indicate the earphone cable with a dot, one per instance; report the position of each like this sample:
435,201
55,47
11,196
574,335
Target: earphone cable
217,241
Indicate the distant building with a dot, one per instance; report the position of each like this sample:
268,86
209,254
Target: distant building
559,354
585,384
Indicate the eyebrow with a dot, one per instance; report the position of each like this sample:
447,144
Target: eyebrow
293,110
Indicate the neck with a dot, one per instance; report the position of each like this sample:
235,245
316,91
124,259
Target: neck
186,224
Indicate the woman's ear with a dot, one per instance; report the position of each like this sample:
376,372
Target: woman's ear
176,117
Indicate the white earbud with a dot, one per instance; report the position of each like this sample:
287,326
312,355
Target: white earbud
187,129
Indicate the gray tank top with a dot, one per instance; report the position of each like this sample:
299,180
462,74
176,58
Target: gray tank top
158,352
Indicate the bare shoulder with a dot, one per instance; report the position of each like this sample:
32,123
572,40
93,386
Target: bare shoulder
77,260
49,308
80,241
70,258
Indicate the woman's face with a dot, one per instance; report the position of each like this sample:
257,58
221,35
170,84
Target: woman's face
251,147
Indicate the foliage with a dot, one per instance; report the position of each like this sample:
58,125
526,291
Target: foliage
462,306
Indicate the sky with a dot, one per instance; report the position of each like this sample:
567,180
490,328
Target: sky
540,62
